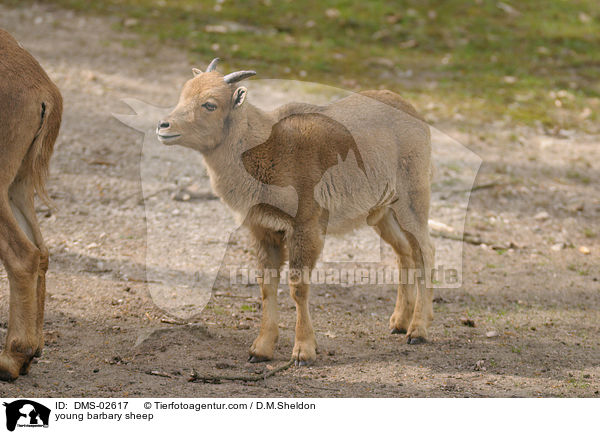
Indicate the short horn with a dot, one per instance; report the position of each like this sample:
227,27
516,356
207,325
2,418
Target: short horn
212,65
238,76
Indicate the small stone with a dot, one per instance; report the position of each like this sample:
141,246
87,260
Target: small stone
508,8
218,28
332,13
557,247
130,22
584,18
491,334
467,321
439,226
584,250
542,215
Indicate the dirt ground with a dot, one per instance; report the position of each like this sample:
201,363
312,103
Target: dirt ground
532,290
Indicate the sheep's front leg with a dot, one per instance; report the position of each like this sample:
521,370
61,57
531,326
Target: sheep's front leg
305,247
269,249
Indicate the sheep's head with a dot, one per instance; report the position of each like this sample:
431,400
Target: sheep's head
199,120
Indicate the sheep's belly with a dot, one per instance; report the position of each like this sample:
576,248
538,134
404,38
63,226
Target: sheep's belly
343,225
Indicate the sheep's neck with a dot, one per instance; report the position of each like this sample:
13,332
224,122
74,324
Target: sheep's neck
228,176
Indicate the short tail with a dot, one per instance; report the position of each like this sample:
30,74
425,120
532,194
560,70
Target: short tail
43,145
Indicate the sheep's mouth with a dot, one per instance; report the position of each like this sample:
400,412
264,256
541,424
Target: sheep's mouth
167,137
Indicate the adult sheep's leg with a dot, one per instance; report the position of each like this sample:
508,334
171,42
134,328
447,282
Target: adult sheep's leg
270,255
21,195
21,259
305,246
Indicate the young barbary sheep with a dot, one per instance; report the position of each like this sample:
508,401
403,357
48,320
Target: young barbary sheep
295,173
30,115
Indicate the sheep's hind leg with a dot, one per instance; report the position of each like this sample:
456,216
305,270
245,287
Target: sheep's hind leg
391,232
22,200
423,256
21,259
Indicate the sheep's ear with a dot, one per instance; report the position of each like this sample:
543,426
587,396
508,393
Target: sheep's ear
239,96
196,72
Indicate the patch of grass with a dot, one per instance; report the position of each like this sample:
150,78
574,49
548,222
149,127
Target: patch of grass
581,271
578,176
580,384
247,308
535,61
217,310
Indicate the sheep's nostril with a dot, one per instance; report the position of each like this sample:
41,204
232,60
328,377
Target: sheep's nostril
164,124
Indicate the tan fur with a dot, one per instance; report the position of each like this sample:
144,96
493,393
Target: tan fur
302,171
30,115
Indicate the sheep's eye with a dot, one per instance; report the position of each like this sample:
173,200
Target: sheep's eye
209,106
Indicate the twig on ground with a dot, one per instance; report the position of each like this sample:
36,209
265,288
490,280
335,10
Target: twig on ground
148,196
457,237
100,163
167,320
217,379
478,187
158,374
473,239
245,297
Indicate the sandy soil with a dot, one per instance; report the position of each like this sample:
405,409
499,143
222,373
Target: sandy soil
532,294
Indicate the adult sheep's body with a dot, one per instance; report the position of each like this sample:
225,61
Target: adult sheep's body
30,115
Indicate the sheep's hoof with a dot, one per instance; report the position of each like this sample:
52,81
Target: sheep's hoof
9,368
396,331
7,376
416,340
25,367
305,352
258,359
